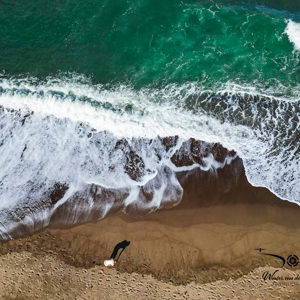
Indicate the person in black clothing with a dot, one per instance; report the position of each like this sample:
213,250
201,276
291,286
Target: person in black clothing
121,245
114,258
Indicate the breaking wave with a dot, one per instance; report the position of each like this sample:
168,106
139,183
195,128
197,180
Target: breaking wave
293,32
101,148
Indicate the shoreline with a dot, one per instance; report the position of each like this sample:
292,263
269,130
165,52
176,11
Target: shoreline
199,248
177,243
195,188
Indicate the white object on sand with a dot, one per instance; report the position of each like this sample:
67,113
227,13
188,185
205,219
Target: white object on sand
109,263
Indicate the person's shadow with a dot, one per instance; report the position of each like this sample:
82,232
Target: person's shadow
121,245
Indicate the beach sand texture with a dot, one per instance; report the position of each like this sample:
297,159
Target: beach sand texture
190,252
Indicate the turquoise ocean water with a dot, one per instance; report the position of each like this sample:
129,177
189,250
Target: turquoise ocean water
151,42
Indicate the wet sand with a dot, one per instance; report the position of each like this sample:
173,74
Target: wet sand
194,251
204,248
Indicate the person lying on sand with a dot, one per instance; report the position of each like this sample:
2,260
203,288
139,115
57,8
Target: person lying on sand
113,260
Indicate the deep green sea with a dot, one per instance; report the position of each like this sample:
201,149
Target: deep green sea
78,77
152,42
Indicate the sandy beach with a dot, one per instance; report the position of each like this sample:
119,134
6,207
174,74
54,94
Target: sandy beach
190,252
171,127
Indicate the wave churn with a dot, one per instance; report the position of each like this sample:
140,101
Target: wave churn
64,141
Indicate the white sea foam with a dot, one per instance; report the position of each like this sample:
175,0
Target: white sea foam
293,32
71,138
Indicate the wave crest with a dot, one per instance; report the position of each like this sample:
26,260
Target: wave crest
293,32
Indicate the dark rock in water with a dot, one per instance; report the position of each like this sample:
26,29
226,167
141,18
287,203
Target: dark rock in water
219,152
182,159
193,151
122,144
188,154
134,166
199,150
169,142
58,192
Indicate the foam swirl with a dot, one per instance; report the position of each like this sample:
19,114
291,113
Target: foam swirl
77,147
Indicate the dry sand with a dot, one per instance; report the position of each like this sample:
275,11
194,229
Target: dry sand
185,253
30,276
